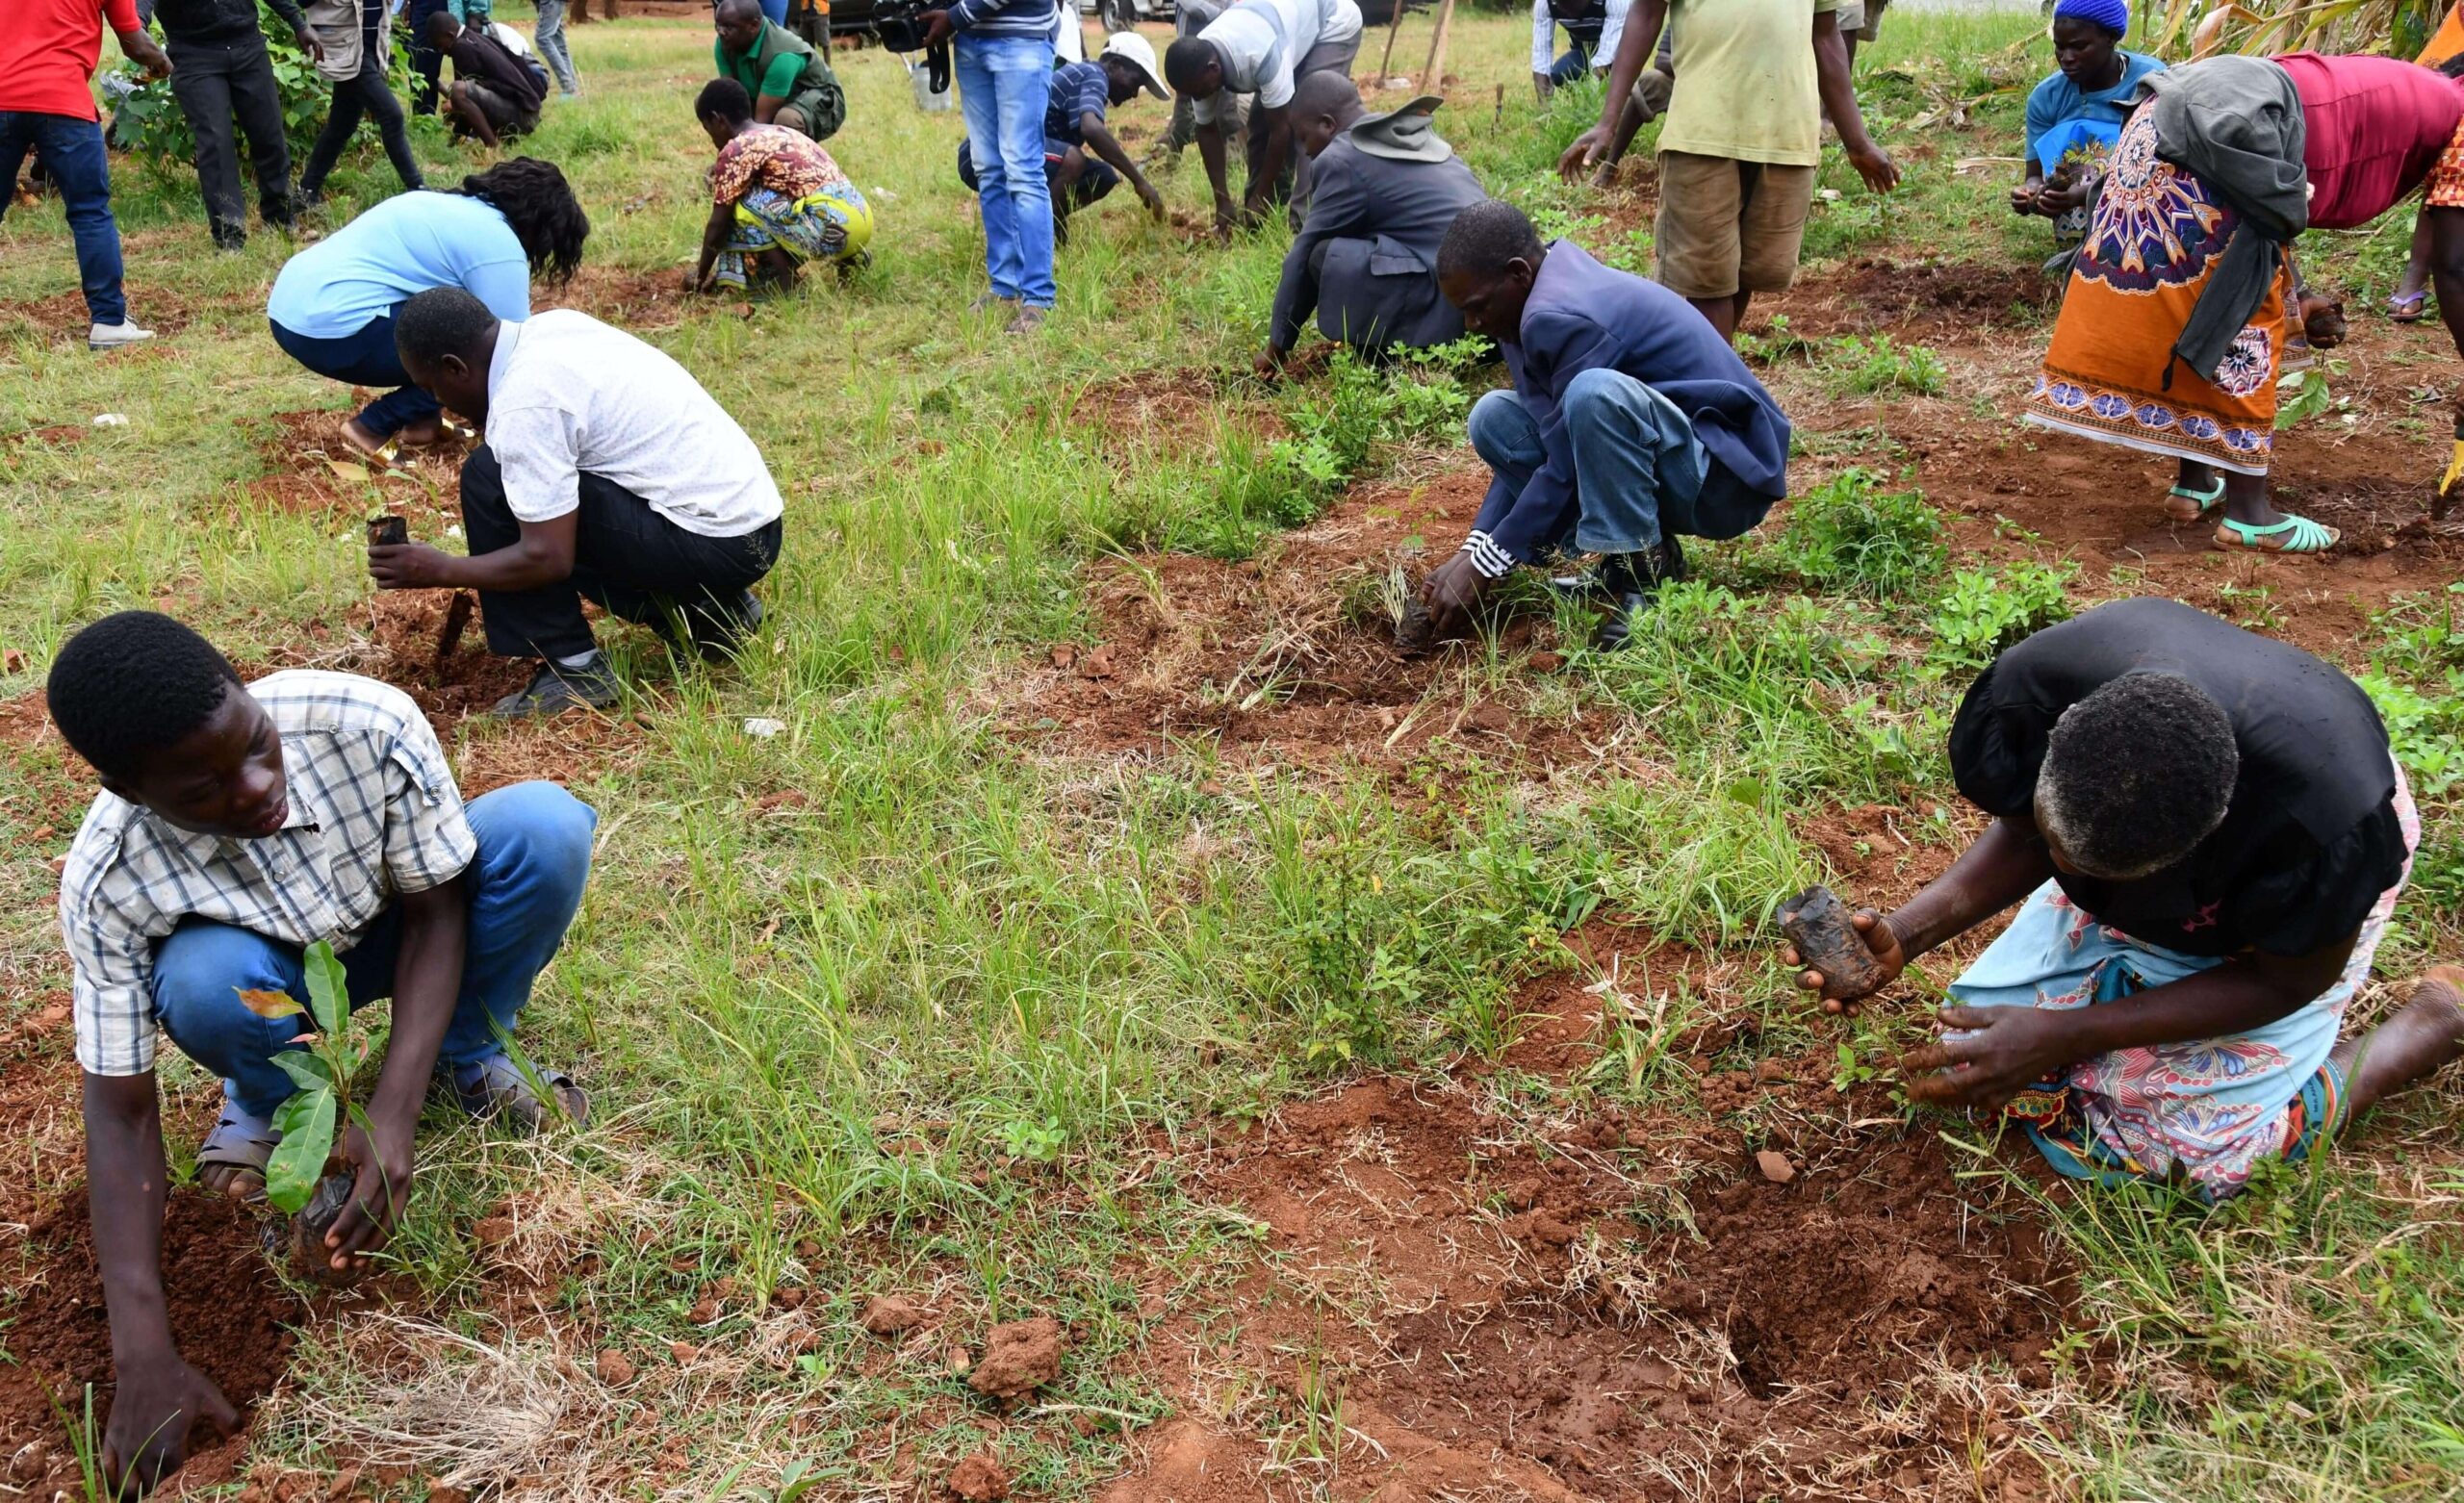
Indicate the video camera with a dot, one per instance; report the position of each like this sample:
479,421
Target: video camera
900,26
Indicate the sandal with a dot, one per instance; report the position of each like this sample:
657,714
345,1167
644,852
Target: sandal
495,1087
2184,505
2408,307
2293,535
233,1157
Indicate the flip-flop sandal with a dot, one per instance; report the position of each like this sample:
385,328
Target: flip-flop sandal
241,1145
2293,535
2412,309
495,1087
2184,505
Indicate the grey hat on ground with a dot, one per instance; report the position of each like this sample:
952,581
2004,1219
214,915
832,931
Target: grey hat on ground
1404,133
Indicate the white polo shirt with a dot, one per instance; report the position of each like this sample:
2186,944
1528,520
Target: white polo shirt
1260,42
567,395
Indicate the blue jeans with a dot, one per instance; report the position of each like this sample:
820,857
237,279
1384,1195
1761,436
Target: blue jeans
1573,63
524,886
74,155
1639,466
549,39
365,358
1004,83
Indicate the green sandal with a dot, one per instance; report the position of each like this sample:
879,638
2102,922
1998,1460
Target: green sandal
2199,505
2293,535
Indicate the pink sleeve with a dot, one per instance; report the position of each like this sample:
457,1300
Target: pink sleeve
122,14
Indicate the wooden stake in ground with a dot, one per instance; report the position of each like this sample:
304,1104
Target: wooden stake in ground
1386,68
1433,76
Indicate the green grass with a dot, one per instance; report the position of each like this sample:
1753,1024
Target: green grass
926,1024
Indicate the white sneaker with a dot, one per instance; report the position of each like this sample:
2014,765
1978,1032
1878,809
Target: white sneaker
111,336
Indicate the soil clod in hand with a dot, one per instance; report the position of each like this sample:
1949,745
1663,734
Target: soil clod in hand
1817,923
980,1479
1414,632
308,1250
1018,1359
388,531
888,1315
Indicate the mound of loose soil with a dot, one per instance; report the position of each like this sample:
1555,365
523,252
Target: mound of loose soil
1018,1359
229,1314
1939,301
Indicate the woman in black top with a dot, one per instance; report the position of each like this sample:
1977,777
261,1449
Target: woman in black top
2206,827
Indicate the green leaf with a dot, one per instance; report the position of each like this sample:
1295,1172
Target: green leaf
307,1071
328,996
307,1123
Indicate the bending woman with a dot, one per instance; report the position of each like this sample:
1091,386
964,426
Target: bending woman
2205,833
333,306
2173,331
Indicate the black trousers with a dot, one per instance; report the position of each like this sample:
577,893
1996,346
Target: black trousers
221,83
626,558
369,92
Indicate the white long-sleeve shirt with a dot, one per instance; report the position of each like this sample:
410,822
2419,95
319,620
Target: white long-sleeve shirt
1544,35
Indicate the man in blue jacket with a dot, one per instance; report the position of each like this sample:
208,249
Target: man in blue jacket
1630,422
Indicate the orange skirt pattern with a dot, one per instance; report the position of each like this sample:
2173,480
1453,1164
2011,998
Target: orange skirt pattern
2110,374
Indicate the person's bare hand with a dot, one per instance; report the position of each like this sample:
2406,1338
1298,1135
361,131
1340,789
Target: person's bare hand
1875,166
1152,199
1879,937
2024,198
153,1414
1451,592
1268,363
407,566
309,44
2001,1052
379,1190
2324,323
1583,153
937,27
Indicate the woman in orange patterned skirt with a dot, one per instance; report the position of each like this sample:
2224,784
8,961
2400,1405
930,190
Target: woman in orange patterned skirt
2376,129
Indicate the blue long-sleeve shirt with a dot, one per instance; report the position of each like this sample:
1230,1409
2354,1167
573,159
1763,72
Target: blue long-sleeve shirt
1582,316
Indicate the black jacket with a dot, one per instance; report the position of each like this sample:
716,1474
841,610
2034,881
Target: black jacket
220,20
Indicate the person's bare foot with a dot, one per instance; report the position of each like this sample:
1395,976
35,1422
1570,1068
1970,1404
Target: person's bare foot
2426,1033
360,439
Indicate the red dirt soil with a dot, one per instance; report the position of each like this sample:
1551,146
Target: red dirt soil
228,1313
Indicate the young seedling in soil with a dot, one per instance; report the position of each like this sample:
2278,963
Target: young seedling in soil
1816,922
299,1177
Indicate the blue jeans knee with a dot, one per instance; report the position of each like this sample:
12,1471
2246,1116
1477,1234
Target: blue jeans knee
198,973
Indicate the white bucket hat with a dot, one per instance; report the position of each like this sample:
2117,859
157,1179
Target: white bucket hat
1139,53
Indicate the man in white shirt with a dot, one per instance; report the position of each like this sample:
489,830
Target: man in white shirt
1263,47
608,474
235,825
1592,28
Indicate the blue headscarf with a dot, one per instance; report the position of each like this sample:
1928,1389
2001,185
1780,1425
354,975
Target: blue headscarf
2113,15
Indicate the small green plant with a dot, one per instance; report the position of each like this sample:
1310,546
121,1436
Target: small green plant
2301,395
1984,611
1850,536
1881,364
1034,1142
1774,343
2253,606
323,1071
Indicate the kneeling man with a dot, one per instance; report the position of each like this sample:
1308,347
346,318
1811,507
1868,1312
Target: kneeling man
608,474
1383,190
238,824
1630,422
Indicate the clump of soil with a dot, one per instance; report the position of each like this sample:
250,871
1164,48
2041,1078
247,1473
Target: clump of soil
228,1313
890,1315
980,1479
1018,1359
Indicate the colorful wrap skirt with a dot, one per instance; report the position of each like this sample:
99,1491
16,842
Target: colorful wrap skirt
2153,243
833,226
2208,1111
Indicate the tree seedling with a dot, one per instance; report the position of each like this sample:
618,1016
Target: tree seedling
299,1177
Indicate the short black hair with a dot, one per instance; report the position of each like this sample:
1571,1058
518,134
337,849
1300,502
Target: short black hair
539,206
1485,237
725,98
133,684
1186,58
441,321
2137,775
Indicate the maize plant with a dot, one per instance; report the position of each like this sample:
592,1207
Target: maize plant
2203,28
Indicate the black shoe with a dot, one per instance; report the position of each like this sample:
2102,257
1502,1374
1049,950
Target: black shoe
312,198
1628,583
229,239
555,690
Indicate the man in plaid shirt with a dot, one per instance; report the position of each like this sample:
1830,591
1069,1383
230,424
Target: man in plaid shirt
238,824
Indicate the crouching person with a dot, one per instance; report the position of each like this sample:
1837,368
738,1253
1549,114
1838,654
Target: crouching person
236,824
608,474
777,200
1383,190
2205,835
1630,422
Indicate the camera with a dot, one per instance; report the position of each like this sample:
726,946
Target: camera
900,25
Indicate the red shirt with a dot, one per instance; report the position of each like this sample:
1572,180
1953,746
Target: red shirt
2372,130
49,49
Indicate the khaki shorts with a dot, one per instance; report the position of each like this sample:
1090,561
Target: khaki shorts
1727,227
1862,19
1651,94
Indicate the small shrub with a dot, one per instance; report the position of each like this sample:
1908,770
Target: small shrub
1882,364
1849,536
1984,612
